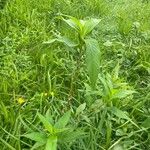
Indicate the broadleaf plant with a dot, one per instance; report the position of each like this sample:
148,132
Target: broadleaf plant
85,45
53,133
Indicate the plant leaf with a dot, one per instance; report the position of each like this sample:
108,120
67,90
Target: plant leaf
72,135
92,60
67,41
60,130
119,113
49,117
105,84
36,136
45,122
62,122
80,108
64,40
122,93
90,24
115,72
74,23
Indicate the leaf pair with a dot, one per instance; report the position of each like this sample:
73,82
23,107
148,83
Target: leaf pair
83,27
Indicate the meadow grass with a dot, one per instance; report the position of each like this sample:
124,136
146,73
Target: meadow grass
41,78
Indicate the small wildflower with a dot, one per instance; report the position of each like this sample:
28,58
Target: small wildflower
45,94
52,94
21,100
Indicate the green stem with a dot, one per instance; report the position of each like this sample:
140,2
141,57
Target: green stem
77,70
51,143
108,134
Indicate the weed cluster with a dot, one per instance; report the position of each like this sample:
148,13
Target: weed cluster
74,75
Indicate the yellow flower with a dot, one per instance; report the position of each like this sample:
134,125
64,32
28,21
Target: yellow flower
52,94
21,100
45,94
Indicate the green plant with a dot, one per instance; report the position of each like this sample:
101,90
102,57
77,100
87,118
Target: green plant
86,45
53,132
113,97
35,77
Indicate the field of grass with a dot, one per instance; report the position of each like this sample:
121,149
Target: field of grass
74,75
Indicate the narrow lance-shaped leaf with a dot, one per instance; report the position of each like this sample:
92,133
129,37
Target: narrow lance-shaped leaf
67,41
45,122
80,109
62,122
71,135
116,72
92,60
63,40
36,136
105,84
90,24
74,23
120,114
48,115
122,93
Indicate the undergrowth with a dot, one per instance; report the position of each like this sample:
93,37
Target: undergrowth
74,75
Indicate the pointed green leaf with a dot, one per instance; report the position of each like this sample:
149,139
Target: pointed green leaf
62,122
122,93
70,136
119,113
92,60
90,24
74,23
60,130
64,40
36,136
109,81
115,72
67,41
46,124
49,117
105,84
80,108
